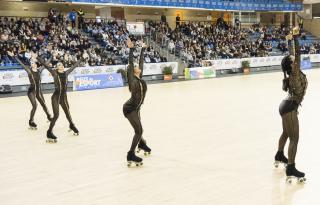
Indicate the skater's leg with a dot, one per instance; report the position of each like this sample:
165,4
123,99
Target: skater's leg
292,127
32,98
55,109
65,106
283,138
41,100
142,139
142,143
134,120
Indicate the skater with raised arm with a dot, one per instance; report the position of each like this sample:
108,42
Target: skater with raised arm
295,83
34,91
131,109
59,96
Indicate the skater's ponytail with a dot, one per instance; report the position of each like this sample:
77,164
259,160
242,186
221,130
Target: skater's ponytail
285,83
286,66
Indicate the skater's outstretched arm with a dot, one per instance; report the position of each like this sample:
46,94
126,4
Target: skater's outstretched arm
74,66
130,69
25,67
294,49
297,54
46,64
133,87
141,60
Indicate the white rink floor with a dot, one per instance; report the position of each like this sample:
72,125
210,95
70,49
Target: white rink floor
213,142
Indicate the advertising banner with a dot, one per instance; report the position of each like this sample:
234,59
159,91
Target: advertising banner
98,81
306,63
20,77
200,72
136,28
156,68
223,64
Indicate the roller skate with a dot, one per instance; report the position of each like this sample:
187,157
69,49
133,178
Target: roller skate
133,159
293,173
143,147
32,125
51,138
280,159
74,129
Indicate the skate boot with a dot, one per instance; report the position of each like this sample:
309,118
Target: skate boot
133,159
293,173
51,138
280,159
32,125
74,129
143,147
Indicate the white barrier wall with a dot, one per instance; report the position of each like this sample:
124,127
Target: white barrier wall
256,62
20,77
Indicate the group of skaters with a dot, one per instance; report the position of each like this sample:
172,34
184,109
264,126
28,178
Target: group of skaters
294,82
131,109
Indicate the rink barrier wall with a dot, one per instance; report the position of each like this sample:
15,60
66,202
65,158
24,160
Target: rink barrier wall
153,78
260,64
224,64
17,77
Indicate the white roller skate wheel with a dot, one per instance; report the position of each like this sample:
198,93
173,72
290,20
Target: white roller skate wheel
302,180
147,153
289,180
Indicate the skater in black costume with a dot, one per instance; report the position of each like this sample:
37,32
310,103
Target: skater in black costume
34,91
59,96
131,109
296,84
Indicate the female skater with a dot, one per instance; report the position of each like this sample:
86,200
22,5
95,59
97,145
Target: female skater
59,96
296,84
34,91
131,109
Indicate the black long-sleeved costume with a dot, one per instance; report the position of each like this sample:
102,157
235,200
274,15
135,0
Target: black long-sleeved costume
138,89
137,86
60,94
289,107
34,91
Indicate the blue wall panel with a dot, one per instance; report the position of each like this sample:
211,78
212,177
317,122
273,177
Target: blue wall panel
244,5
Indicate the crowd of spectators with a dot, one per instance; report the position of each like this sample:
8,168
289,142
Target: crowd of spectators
57,36
195,42
30,37
104,42
112,35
